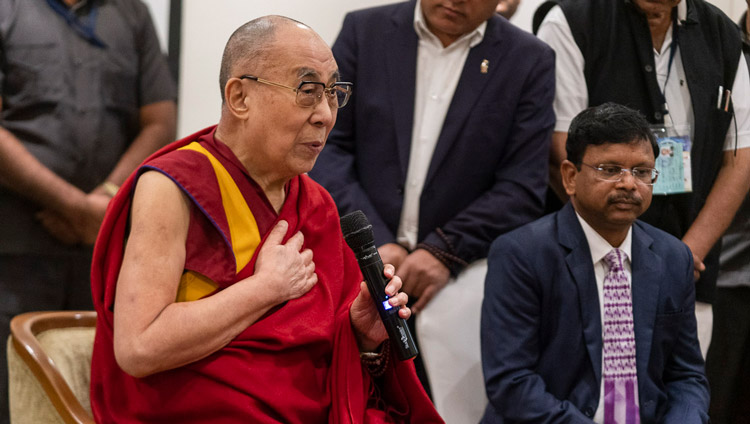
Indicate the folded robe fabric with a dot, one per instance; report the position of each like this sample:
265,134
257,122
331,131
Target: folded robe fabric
299,363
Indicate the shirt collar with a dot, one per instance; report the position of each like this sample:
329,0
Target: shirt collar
423,32
682,11
599,247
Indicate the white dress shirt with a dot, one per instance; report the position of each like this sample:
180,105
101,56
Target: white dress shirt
599,248
438,71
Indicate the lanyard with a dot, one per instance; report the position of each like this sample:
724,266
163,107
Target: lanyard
672,53
83,29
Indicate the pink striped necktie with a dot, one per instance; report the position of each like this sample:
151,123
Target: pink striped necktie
620,377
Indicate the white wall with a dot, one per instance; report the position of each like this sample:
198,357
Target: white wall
160,14
206,26
733,8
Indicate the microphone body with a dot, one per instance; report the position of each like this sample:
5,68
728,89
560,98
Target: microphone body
358,235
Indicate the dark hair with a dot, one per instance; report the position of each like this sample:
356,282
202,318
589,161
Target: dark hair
607,123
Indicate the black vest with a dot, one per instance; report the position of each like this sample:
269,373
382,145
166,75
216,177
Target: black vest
615,40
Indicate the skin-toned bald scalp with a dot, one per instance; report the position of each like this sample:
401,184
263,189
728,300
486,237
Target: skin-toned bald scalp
250,45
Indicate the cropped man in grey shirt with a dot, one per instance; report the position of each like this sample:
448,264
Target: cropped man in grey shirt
85,95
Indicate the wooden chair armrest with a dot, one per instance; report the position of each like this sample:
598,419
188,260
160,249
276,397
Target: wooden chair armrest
24,329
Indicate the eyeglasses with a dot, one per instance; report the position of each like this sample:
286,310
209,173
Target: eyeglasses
309,93
614,173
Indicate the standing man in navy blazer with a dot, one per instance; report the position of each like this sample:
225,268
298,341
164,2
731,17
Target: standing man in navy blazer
547,323
445,140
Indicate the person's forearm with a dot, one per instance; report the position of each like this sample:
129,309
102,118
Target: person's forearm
726,196
158,128
186,332
153,332
24,174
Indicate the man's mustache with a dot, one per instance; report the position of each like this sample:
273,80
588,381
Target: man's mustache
625,198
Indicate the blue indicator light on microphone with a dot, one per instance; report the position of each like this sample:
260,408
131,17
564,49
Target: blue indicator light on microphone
387,305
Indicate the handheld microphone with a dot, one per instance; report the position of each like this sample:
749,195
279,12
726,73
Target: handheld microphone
358,235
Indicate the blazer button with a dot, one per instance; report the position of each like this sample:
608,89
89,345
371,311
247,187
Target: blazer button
589,412
400,189
657,115
648,68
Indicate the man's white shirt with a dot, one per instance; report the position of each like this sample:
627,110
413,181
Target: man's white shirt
438,71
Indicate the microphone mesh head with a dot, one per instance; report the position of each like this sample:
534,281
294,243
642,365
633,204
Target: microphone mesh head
357,229
353,221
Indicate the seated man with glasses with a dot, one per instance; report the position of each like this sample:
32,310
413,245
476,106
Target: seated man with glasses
589,313
223,286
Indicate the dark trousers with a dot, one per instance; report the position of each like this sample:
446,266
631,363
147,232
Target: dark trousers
36,283
728,359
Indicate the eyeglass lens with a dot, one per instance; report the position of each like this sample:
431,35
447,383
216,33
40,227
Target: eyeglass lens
309,93
615,173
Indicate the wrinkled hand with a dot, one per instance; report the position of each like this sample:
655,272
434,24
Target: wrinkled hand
289,272
424,276
368,328
80,224
393,253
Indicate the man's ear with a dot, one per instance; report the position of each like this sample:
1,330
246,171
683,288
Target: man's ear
569,172
235,98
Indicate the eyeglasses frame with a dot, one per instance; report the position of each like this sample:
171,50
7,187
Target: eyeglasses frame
327,90
654,172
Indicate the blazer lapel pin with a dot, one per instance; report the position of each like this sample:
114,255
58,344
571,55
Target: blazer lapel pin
485,66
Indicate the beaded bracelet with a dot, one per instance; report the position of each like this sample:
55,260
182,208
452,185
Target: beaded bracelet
376,362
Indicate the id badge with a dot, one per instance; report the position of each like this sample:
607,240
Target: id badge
673,161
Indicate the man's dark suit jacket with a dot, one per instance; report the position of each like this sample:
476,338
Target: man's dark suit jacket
542,333
489,171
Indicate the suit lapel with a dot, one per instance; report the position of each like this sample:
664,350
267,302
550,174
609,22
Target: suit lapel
470,87
645,288
644,283
581,268
401,66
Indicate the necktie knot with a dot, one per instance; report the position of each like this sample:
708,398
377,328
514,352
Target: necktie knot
613,259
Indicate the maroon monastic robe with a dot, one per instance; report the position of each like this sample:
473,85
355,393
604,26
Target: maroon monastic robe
299,363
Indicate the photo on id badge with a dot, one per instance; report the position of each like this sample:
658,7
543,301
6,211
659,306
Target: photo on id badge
673,162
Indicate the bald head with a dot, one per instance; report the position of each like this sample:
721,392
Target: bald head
249,46
275,129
